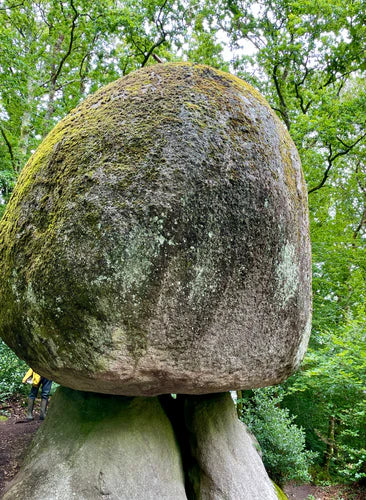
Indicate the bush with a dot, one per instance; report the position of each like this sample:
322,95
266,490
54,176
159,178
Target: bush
281,440
12,371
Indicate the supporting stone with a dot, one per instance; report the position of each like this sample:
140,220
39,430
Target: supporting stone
227,464
94,446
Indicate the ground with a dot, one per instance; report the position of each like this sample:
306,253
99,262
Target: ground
16,434
312,492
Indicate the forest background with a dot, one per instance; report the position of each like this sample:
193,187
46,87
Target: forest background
308,58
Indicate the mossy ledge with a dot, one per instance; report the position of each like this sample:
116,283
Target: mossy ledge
280,494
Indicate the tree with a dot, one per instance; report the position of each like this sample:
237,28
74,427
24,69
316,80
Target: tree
48,48
333,382
307,58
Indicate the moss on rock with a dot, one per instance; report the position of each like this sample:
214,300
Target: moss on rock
280,494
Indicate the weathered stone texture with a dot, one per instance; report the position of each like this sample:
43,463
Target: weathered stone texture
228,465
157,241
93,446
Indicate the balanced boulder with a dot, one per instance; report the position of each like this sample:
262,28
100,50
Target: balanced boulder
157,241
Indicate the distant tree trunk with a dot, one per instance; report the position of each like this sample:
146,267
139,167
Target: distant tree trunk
85,66
329,453
239,403
25,128
52,84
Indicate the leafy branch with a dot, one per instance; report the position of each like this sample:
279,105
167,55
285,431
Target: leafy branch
14,6
363,190
162,38
331,157
283,107
71,42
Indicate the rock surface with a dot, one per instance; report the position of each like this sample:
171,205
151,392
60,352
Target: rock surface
157,241
228,465
94,446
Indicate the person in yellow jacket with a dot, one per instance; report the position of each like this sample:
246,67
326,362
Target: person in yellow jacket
37,381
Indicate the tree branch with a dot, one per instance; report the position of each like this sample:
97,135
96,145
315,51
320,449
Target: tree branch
10,149
300,98
351,146
363,190
21,4
324,439
71,42
157,58
162,38
137,47
331,157
151,50
326,173
362,223
334,78
283,108
86,60
304,108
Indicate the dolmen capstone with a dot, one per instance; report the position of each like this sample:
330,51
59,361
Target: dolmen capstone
157,242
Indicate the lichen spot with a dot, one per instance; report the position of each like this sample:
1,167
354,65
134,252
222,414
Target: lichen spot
304,343
287,274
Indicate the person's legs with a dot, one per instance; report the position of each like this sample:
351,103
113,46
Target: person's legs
46,389
32,396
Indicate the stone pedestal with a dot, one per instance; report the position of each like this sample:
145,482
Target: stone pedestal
93,446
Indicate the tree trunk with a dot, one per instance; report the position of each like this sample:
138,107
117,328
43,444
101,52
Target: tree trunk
239,403
52,86
23,152
330,443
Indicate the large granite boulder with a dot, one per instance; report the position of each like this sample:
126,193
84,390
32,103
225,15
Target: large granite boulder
94,446
157,241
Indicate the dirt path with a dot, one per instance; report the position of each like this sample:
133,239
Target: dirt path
309,491
14,439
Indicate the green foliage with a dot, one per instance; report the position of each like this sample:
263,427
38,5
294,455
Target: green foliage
7,182
328,395
281,440
12,371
